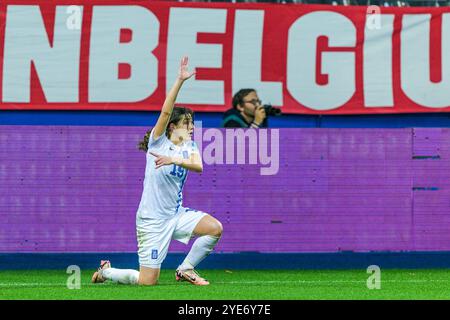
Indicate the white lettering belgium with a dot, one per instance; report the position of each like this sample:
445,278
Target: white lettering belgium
57,59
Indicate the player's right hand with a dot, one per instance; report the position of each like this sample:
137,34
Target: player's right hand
183,72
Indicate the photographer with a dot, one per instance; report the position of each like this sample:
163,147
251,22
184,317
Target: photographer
247,111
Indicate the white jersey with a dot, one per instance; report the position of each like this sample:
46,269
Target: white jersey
162,195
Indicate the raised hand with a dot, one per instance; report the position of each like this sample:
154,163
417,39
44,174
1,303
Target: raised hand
183,73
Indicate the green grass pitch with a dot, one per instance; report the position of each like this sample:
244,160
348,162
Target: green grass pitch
235,285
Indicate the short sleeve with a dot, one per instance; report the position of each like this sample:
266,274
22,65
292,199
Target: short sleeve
189,148
193,147
156,143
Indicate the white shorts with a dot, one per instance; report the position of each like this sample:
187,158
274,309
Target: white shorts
154,235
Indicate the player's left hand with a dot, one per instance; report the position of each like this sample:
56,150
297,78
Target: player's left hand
161,160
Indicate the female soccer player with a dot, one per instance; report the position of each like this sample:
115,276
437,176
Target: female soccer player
171,153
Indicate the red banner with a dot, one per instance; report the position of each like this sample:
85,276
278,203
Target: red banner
311,59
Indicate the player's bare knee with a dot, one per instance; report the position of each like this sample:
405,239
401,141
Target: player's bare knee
217,229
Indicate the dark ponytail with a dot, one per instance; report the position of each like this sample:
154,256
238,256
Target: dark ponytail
143,144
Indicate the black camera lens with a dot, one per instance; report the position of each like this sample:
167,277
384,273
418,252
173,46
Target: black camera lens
272,111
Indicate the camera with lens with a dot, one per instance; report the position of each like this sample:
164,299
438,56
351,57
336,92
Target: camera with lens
271,111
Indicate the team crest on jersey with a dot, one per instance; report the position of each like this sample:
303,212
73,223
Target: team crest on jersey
154,254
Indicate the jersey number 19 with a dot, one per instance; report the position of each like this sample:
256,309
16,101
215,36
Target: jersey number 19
177,171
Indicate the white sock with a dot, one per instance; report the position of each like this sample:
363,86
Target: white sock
200,249
123,276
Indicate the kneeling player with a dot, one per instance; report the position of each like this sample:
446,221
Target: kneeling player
171,153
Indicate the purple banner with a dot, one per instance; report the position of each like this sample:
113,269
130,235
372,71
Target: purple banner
77,189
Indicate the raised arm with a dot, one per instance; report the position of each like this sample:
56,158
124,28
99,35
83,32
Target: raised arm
169,102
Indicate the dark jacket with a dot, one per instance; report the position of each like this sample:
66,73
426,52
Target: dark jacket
232,118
